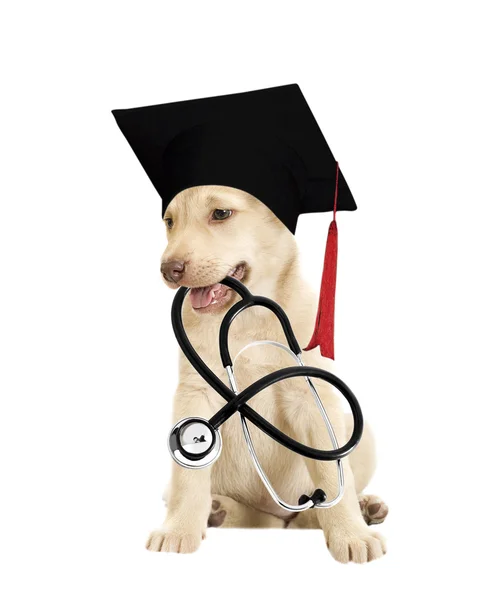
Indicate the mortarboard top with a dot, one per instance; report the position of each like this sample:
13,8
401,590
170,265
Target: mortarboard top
265,142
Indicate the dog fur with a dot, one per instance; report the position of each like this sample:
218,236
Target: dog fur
230,493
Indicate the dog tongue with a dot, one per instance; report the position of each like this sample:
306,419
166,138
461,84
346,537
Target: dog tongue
203,297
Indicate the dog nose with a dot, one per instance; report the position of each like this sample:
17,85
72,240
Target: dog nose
173,270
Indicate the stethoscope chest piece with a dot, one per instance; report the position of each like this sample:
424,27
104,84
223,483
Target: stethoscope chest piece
194,443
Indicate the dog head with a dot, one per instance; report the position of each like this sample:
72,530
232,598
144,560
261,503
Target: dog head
216,231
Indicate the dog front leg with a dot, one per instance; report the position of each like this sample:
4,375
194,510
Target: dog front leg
348,538
189,491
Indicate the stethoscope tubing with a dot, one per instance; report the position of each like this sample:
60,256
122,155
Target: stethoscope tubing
242,305
238,402
299,371
313,501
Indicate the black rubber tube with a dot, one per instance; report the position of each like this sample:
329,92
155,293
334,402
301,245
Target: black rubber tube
242,305
239,400
255,388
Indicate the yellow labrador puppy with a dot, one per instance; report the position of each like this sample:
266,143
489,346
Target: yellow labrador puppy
218,231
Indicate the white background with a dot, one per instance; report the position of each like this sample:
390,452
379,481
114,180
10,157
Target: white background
406,95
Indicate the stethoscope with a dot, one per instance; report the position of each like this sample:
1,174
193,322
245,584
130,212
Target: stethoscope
196,443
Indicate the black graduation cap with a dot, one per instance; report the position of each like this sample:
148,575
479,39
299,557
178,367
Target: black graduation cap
265,142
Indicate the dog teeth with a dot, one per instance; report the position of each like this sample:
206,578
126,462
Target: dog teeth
237,269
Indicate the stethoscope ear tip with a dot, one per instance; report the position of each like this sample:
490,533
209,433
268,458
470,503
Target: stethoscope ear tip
318,497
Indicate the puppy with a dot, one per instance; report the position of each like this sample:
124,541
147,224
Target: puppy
217,231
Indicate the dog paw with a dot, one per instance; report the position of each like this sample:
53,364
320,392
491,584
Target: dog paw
354,543
373,509
171,540
217,515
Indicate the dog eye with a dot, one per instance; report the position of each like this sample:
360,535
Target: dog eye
221,214
169,223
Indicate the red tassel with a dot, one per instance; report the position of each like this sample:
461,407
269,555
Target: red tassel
323,335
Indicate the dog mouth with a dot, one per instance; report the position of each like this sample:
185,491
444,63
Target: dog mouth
204,298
